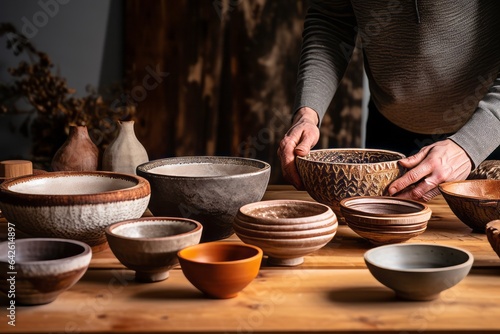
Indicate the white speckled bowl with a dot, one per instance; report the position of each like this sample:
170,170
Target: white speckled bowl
149,245
44,268
73,205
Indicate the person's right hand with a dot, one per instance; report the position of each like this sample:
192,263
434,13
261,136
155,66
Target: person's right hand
299,140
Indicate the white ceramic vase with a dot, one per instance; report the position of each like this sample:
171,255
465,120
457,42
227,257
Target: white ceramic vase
126,152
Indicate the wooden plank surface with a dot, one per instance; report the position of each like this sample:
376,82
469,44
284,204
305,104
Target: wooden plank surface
347,248
287,301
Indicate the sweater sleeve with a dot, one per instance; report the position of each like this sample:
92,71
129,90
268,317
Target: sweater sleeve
481,134
328,40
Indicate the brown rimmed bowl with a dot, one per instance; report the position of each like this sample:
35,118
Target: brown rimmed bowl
474,202
493,235
150,245
383,220
220,269
73,205
43,268
330,175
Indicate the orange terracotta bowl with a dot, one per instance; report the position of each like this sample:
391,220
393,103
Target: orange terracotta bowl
474,202
220,269
331,175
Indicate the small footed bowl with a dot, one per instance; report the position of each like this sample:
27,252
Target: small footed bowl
418,271
45,267
150,245
220,269
474,202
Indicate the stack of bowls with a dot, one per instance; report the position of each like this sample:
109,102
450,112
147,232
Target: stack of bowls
385,220
286,230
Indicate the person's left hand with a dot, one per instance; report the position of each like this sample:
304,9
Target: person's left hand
434,164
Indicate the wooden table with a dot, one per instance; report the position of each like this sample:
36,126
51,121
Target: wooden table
331,292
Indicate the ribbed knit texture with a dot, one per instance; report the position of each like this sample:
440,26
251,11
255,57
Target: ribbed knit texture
427,77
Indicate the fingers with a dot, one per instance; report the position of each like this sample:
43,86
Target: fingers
437,163
286,152
301,137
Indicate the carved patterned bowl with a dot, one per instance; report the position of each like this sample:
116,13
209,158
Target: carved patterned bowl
45,268
208,189
474,202
331,175
493,234
149,245
286,230
73,205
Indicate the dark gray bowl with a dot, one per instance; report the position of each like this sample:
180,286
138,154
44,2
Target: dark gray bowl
418,271
208,189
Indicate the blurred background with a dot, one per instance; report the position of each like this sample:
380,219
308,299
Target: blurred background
213,77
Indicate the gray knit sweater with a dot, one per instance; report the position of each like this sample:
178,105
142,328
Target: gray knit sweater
432,65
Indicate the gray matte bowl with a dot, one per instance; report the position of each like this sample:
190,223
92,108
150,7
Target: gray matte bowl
207,189
418,271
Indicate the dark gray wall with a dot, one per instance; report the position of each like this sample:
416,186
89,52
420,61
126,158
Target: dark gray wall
84,38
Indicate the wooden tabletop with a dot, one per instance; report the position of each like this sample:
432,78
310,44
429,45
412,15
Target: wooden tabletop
332,291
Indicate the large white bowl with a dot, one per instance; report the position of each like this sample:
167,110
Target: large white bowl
73,205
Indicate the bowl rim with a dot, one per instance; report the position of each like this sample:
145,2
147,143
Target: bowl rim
327,212
86,250
140,189
306,158
443,185
259,254
467,263
344,206
109,229
144,170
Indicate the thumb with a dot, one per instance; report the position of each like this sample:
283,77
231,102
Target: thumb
415,159
304,146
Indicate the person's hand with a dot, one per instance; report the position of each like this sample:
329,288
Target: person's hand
299,140
434,164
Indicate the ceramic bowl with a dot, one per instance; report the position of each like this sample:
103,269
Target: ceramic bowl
220,269
474,202
207,189
73,205
418,271
43,268
385,220
331,175
286,230
493,234
150,245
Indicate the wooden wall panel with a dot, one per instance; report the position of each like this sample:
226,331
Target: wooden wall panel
232,66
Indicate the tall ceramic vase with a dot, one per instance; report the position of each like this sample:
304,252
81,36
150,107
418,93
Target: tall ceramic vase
78,153
126,152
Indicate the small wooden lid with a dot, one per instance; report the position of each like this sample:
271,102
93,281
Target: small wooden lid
15,168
